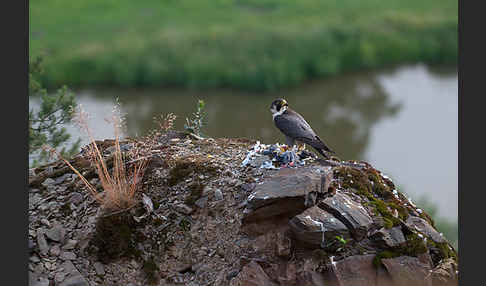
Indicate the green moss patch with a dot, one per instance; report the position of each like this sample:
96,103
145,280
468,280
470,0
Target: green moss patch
369,185
440,251
413,247
384,254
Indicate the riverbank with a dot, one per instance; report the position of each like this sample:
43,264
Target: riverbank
264,45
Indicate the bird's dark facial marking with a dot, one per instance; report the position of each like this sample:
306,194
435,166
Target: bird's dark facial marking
278,104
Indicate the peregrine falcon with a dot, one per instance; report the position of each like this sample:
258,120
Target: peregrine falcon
295,128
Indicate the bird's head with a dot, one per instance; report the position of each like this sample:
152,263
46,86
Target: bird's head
278,106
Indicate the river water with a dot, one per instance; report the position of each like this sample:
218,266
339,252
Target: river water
403,120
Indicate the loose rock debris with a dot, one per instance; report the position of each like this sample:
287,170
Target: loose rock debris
232,212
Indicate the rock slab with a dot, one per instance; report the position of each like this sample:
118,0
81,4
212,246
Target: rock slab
315,226
353,214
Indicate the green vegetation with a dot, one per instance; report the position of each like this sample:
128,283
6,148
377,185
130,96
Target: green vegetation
248,44
341,239
360,182
367,183
197,122
46,125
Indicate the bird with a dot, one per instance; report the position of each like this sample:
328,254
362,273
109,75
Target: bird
295,128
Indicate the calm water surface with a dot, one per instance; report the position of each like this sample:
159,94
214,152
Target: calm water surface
404,121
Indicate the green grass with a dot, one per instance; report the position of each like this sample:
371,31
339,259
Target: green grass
248,44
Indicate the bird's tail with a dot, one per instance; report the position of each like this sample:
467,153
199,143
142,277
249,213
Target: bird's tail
323,153
323,146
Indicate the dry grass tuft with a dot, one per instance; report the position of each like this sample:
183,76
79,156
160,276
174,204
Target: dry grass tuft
119,187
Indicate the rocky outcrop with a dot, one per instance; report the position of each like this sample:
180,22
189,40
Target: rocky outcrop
204,219
363,231
349,212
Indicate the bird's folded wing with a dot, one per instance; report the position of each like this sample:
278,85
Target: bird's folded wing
294,127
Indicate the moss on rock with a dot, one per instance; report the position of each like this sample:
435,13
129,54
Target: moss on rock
375,189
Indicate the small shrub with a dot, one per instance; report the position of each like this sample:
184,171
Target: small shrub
195,124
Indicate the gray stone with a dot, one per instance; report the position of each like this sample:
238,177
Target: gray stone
63,178
45,222
248,187
310,278
252,274
41,281
201,202
34,259
407,270
50,265
70,244
99,268
39,268
41,242
286,183
59,277
67,255
53,206
69,268
56,233
389,237
43,207
34,200
352,214
218,195
316,226
425,228
48,182
31,245
55,250
77,280
76,198
183,208
355,270
232,274
206,191
288,192
61,189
